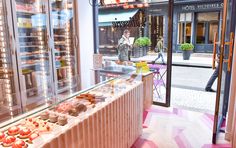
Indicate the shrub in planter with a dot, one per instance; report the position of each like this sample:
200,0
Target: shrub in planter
142,43
187,49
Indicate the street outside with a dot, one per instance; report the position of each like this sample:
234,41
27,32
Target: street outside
188,83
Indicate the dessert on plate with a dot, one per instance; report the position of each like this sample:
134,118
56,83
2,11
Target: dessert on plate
2,136
14,130
19,144
24,133
8,141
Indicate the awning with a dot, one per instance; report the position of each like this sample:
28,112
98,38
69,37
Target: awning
106,19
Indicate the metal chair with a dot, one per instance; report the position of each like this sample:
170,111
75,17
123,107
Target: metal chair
158,78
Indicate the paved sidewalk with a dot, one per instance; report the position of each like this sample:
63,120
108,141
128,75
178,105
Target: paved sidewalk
196,59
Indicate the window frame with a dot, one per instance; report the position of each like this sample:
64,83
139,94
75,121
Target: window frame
185,22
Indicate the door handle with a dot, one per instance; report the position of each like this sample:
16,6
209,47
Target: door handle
214,51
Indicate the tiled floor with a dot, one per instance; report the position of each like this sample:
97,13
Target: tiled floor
177,128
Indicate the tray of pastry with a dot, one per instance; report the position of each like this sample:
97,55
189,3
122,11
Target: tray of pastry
27,130
72,107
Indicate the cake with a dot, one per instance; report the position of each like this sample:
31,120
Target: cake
53,118
14,130
44,115
2,136
62,120
19,144
24,133
8,141
33,136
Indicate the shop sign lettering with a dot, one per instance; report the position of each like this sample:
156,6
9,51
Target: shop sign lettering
202,7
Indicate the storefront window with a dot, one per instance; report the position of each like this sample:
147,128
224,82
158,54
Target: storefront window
207,26
185,28
201,33
213,28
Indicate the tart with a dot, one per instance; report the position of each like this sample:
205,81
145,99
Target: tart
24,133
44,115
33,136
62,120
14,130
2,136
53,118
19,144
8,141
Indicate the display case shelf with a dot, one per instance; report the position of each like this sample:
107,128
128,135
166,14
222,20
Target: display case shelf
32,46
25,12
30,37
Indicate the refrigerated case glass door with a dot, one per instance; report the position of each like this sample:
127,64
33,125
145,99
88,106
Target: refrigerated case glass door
10,104
32,33
62,21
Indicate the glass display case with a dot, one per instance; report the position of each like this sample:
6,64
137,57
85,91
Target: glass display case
32,128
9,92
31,28
63,33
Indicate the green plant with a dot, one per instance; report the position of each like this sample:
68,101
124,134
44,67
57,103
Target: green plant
142,41
186,46
139,42
147,41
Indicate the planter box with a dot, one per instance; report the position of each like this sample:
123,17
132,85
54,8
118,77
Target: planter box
137,52
186,54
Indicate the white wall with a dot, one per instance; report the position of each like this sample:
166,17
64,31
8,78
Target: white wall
86,42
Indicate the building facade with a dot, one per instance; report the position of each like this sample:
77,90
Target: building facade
194,21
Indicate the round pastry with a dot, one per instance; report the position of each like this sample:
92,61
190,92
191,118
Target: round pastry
73,112
80,107
14,130
2,136
19,144
8,141
24,133
44,115
33,136
53,118
62,120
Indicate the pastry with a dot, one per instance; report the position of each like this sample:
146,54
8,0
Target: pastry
2,136
33,136
62,120
19,144
8,141
80,107
13,130
24,133
53,118
73,112
44,115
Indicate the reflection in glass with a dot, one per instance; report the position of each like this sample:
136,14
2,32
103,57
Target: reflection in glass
33,50
63,30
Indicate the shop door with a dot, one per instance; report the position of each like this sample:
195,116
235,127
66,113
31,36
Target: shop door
162,75
225,60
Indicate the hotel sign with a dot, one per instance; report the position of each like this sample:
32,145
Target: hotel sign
200,7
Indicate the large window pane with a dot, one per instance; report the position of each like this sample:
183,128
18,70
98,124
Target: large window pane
201,33
188,17
188,32
213,28
181,32
209,16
